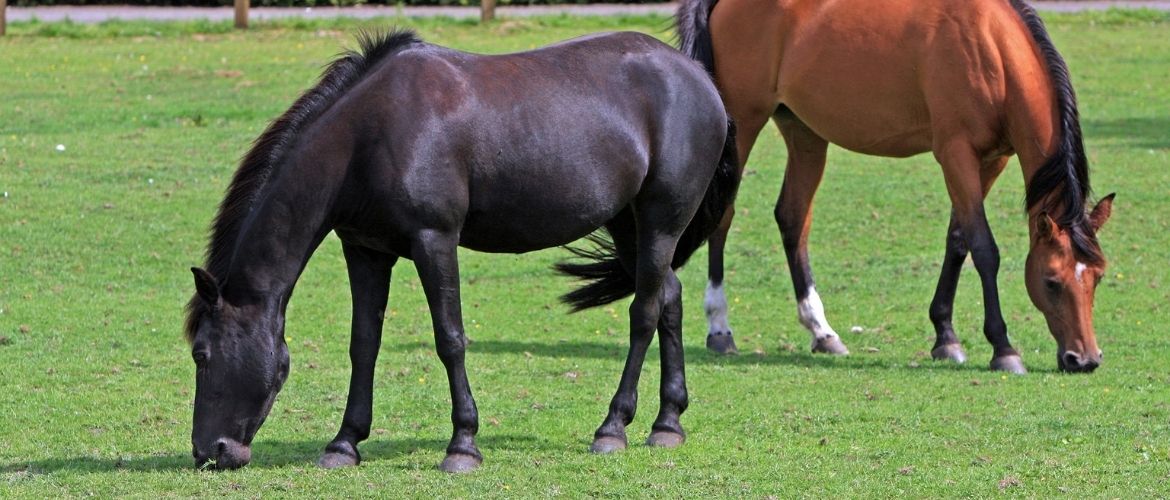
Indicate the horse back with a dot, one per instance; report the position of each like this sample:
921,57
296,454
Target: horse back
561,138
888,81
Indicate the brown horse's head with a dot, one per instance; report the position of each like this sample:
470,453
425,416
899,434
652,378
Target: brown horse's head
241,362
1061,279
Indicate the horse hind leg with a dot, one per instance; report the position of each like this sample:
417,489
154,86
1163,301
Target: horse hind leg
657,304
802,176
750,116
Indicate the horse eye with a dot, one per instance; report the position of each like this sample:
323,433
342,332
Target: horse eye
200,357
1052,285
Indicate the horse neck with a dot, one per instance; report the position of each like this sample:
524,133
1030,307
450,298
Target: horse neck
287,222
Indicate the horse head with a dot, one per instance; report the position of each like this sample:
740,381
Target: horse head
241,362
1062,280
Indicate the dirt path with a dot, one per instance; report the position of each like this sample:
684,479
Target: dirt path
95,14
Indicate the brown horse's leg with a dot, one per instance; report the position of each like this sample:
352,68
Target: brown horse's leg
802,176
369,284
749,120
946,345
435,257
962,170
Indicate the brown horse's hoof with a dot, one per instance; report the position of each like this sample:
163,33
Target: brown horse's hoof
952,352
457,462
721,343
665,439
607,444
830,345
334,460
1010,363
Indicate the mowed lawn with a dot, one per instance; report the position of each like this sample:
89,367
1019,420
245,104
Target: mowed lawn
117,141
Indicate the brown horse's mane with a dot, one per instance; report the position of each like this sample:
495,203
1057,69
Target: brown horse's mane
1066,173
267,151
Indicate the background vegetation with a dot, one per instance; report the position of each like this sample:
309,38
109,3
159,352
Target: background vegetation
117,141
306,3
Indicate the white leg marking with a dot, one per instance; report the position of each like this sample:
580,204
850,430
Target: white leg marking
715,303
812,315
1080,272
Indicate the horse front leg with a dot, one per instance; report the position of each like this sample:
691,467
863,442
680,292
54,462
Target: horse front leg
946,344
967,185
802,177
672,391
435,257
369,283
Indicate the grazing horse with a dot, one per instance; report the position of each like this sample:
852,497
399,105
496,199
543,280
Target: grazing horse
973,82
406,149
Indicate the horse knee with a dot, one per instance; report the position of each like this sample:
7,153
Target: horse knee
450,346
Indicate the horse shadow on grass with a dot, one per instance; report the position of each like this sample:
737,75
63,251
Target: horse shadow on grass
269,454
699,356
1144,132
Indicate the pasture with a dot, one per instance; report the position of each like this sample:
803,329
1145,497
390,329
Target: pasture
117,141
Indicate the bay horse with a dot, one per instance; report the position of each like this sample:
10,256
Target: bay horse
972,82
407,150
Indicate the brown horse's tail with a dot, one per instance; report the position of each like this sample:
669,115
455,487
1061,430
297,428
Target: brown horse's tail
694,36
608,280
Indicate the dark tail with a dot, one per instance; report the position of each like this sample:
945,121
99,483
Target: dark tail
609,281
694,36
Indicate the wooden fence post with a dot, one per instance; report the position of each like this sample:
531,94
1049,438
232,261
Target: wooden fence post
487,10
3,16
242,14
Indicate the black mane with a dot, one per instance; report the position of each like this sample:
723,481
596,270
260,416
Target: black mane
268,150
1063,180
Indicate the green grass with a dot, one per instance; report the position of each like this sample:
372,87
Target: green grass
95,242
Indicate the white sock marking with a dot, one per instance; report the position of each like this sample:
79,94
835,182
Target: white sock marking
715,303
812,315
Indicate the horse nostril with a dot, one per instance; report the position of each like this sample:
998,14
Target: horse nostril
1072,361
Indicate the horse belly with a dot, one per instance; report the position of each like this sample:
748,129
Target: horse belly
522,209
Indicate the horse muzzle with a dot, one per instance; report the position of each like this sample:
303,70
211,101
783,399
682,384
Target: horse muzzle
1074,362
223,454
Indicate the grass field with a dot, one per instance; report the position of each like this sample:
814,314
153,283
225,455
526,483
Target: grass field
117,141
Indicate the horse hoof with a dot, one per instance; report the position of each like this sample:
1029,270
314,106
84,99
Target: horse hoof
665,439
1010,363
333,460
607,444
457,462
830,345
953,352
721,343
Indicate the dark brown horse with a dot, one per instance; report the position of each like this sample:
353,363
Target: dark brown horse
406,149
973,82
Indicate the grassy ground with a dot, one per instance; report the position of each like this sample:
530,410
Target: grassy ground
117,140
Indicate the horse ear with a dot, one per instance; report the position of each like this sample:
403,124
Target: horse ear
1045,226
1101,212
206,286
